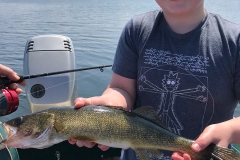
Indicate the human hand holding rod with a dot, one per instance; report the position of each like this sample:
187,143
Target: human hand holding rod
11,78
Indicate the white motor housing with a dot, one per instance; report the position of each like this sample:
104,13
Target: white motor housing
44,54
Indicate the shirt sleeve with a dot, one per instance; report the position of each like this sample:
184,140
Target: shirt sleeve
126,57
237,71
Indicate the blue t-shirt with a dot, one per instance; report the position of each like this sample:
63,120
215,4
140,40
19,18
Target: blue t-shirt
192,80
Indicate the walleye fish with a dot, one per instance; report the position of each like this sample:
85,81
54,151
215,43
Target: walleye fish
140,130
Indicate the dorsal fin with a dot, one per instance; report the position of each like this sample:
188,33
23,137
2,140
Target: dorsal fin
148,113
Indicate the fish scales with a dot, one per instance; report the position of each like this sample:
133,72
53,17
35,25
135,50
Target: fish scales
105,125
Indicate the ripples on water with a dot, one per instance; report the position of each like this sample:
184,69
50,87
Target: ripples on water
93,25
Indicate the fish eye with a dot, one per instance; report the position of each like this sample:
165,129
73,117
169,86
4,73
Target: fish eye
18,121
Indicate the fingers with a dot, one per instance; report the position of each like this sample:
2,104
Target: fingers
180,156
80,102
18,90
198,147
13,86
177,156
103,147
87,144
72,141
8,72
204,139
23,83
202,142
81,143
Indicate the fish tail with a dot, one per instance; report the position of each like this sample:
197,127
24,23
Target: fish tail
221,153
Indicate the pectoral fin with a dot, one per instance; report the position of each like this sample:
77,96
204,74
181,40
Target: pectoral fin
143,154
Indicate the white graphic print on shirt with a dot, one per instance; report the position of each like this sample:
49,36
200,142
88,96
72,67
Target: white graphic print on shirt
173,87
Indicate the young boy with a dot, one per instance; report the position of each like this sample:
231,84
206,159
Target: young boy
184,62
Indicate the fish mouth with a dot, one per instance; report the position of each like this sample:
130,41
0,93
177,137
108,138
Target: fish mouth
9,131
18,140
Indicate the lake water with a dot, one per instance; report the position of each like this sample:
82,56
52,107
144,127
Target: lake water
93,25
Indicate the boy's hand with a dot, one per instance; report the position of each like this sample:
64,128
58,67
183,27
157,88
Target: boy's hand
81,102
219,134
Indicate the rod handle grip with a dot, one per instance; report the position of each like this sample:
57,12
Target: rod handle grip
4,81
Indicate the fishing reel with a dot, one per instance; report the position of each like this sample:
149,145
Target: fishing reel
9,101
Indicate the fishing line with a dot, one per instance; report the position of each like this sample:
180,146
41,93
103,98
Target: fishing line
62,83
77,79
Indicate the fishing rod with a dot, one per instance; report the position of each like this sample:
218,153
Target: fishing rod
4,81
9,99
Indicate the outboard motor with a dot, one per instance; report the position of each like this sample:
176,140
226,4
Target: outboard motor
50,53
